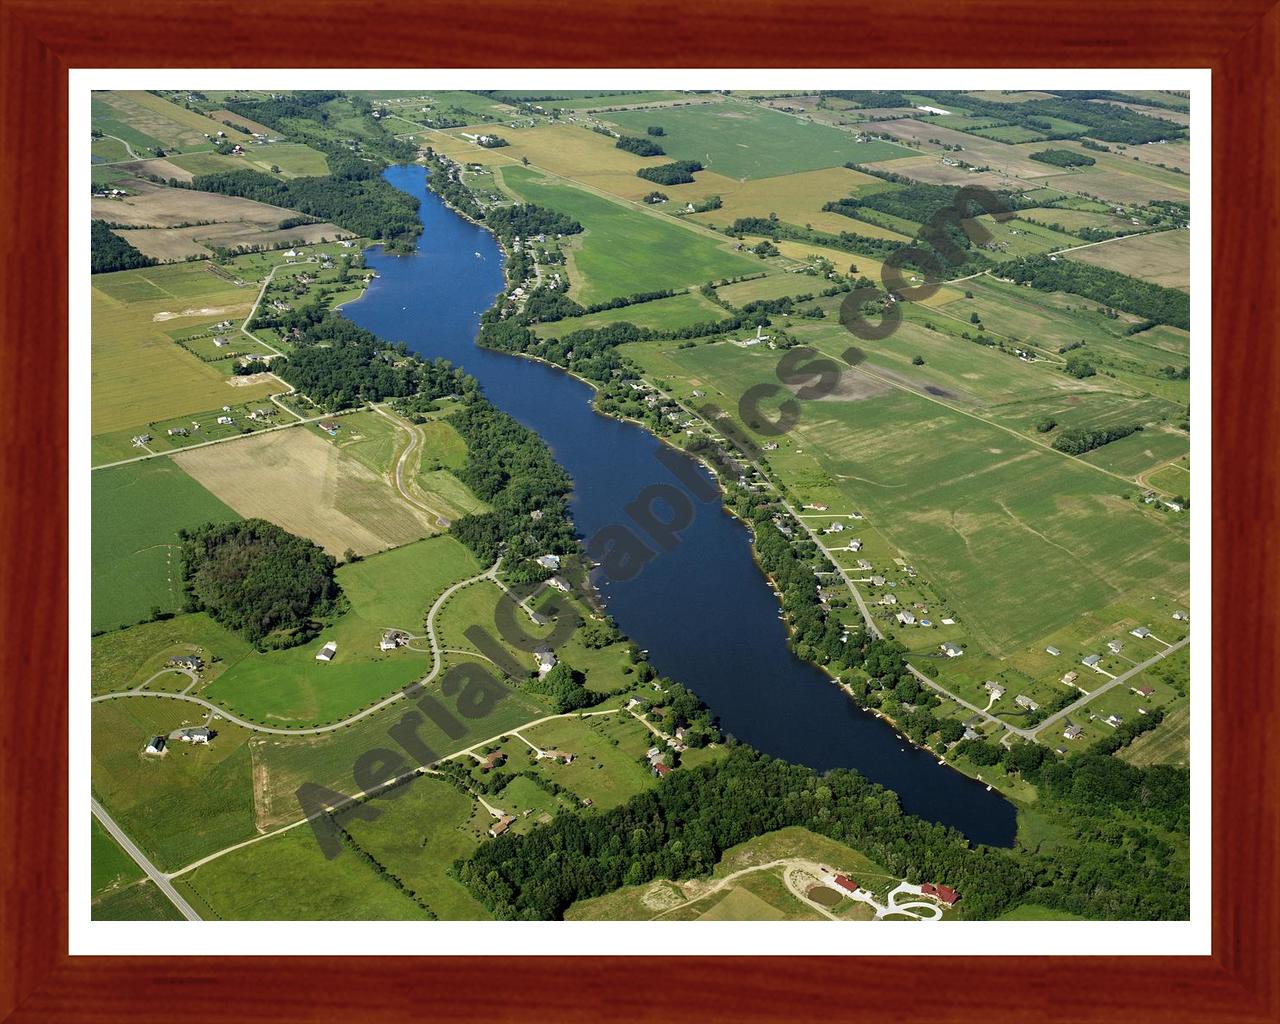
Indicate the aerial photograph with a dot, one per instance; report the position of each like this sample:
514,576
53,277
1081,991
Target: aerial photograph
648,506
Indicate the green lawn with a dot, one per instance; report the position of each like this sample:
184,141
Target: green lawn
393,589
111,867
607,750
625,250
985,516
421,832
181,806
744,140
137,512
661,315
124,658
141,901
288,878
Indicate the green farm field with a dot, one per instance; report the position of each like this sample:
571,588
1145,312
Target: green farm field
126,658
288,877
137,512
661,314
112,869
139,374
742,140
623,250
183,805
390,590
418,836
141,901
966,500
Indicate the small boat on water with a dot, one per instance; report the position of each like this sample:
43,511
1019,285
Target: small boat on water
479,257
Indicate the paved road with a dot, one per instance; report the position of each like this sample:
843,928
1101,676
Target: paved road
1108,685
490,573
154,873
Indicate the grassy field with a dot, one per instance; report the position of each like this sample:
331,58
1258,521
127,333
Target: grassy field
294,160
112,869
288,878
1163,258
139,374
141,901
420,834
137,512
183,805
282,763
624,250
300,481
126,658
755,896
960,496
1168,743
742,140
607,750
390,590
146,121
796,199
662,315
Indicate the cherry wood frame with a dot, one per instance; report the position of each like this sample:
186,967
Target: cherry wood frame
41,39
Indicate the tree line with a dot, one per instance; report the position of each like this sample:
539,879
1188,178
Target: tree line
1156,303
108,252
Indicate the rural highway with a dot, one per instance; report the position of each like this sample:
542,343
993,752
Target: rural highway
154,873
488,574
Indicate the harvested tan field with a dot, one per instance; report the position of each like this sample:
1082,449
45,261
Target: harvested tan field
931,169
164,168
796,199
240,119
167,244
1163,258
216,220
975,150
309,487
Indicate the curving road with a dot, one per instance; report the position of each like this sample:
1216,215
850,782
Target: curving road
490,573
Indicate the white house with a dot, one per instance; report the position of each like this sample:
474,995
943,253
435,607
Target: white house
1141,632
1091,660
328,651
951,650
546,661
548,561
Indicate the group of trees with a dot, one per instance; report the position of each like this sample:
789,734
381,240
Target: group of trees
1156,303
109,252
259,580
639,146
680,172
1063,158
527,219
339,365
511,468
1072,117
562,686
681,828
1081,440
358,199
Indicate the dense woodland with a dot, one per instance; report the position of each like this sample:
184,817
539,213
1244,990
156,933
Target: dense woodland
679,172
1081,440
1048,274
1105,121
1063,158
366,205
511,468
259,580
109,252
640,146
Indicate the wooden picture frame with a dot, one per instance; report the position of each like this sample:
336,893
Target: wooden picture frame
42,39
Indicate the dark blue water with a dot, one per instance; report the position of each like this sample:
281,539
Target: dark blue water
703,610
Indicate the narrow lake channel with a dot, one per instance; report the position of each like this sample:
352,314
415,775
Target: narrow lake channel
704,611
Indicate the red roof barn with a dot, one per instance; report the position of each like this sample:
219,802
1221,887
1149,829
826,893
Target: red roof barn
847,884
942,893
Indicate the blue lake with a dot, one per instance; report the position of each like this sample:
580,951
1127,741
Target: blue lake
703,611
